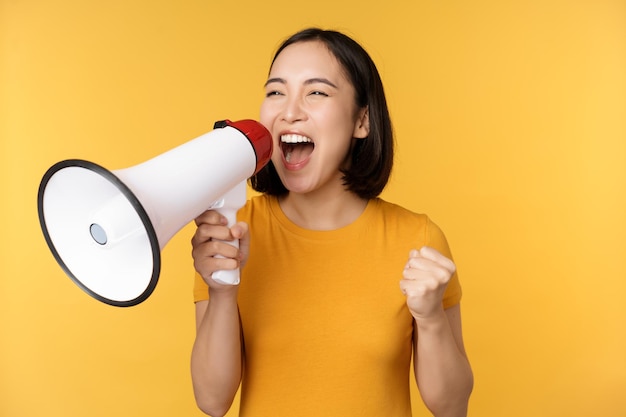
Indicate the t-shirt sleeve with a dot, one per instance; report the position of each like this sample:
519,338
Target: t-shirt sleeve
437,240
200,289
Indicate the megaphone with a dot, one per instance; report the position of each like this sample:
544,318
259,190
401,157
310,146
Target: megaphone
106,229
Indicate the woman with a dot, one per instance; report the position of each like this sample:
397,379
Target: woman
318,325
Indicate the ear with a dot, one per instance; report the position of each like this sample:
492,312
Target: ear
362,124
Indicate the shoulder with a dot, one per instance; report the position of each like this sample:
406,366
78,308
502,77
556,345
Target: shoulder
423,232
394,209
394,213
255,206
420,224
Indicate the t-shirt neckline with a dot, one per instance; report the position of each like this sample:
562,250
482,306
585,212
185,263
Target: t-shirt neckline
342,232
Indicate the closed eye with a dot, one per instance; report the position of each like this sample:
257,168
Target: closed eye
273,93
273,85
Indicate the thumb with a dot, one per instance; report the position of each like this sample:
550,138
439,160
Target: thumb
240,230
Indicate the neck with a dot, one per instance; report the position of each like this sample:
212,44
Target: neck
322,212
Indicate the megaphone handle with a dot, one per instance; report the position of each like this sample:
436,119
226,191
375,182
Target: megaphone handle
228,207
230,276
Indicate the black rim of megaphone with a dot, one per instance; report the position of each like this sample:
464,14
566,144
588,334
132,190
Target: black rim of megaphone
152,236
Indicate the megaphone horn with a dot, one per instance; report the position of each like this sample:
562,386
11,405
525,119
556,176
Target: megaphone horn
106,229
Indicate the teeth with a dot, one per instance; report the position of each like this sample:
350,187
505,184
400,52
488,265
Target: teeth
294,139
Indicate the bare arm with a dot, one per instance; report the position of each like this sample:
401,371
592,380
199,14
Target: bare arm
216,360
442,370
216,357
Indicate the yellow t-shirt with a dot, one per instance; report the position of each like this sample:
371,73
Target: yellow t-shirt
325,326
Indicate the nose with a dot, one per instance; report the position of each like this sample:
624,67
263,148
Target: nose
293,110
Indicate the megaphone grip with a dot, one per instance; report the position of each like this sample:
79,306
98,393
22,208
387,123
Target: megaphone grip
231,276
228,207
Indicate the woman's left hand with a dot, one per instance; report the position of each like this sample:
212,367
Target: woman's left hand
426,276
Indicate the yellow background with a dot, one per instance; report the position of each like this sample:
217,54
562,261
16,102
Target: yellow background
511,127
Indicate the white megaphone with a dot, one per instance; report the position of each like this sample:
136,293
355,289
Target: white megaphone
107,228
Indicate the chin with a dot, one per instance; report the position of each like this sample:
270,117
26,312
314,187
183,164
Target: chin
298,187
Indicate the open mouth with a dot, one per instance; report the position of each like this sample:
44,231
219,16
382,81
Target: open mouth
296,148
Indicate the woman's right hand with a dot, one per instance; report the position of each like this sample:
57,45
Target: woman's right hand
216,358
212,239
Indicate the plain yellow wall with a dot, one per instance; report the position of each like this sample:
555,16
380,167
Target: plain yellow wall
511,127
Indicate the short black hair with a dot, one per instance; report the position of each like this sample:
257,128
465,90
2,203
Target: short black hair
372,157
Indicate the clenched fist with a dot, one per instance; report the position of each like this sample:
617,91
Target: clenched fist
211,251
425,278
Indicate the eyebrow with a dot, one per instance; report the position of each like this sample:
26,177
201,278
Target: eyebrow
307,82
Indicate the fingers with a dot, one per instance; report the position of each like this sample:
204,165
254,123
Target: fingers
211,225
435,256
211,217
240,231
425,278
209,232
428,258
211,248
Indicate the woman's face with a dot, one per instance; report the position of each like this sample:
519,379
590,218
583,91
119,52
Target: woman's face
310,110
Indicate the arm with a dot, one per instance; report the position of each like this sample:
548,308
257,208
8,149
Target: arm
442,370
216,358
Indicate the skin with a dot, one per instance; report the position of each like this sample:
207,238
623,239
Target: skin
307,94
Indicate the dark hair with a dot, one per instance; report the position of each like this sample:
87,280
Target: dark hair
372,157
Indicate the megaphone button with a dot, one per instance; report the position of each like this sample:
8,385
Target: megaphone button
217,204
98,234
